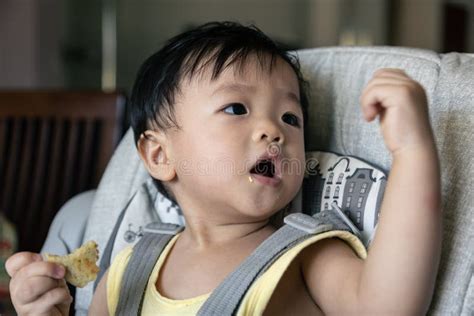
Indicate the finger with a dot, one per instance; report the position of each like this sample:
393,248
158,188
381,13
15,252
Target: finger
392,72
62,283
369,107
370,112
405,82
374,99
31,289
48,269
36,269
20,260
45,303
399,77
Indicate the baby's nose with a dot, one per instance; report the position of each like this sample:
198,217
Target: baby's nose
269,132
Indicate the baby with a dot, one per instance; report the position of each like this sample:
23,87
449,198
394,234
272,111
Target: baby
207,109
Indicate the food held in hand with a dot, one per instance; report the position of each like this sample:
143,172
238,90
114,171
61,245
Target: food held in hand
80,265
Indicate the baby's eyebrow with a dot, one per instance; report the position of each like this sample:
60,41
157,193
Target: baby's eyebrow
292,96
240,87
236,87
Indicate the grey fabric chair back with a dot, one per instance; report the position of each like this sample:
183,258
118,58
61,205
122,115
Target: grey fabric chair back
337,77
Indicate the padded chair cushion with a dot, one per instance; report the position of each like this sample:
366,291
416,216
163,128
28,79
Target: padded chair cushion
354,185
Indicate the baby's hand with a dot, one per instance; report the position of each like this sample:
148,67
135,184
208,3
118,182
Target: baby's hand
37,287
402,106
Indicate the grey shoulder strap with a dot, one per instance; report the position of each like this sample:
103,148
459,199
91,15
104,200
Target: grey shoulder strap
226,298
144,256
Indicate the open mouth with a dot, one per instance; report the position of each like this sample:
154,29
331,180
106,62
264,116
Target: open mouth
264,167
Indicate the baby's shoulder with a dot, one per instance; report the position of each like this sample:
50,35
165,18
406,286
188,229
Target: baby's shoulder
331,266
326,253
330,252
304,277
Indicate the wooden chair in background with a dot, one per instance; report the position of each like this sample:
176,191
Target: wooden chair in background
53,145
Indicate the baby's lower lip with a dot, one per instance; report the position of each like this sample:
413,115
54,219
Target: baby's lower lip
273,181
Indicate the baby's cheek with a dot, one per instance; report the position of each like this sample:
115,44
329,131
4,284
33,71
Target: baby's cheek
296,186
293,168
296,177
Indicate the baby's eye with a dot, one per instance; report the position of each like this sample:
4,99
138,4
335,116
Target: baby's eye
291,119
236,109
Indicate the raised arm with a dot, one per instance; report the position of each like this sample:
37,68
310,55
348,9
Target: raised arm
399,273
403,259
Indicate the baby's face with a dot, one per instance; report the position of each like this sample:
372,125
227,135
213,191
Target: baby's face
229,124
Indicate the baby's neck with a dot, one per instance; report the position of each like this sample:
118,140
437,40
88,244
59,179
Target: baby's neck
205,254
206,235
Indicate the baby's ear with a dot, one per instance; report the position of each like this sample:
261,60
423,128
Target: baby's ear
153,151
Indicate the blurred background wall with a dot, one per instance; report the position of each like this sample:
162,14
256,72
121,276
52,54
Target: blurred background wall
99,44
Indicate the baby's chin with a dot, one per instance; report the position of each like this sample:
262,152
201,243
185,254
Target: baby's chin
261,210
273,217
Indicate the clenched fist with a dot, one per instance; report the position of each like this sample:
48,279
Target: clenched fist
401,104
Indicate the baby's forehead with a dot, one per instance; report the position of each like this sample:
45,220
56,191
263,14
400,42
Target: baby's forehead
251,68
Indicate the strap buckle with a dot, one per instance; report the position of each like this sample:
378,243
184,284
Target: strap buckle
163,228
306,223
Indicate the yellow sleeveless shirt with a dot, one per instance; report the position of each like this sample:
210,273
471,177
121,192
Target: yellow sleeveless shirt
253,303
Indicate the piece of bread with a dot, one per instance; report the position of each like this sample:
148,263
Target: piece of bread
80,265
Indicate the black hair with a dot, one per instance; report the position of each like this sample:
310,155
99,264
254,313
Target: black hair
214,44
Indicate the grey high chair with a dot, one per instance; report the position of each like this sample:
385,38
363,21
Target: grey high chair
337,76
